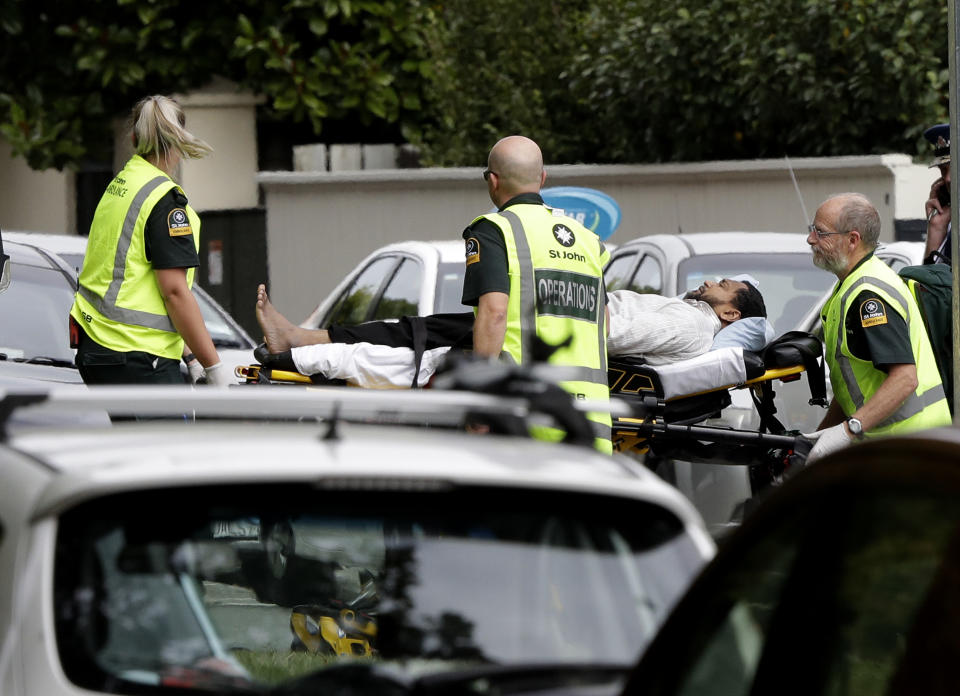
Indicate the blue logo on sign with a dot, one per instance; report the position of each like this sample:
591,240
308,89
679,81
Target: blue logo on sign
593,209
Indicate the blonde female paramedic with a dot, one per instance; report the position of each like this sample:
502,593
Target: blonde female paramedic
134,308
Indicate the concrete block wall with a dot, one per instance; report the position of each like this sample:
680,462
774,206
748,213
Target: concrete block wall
321,224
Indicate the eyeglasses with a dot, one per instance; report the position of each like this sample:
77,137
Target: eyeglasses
487,173
813,229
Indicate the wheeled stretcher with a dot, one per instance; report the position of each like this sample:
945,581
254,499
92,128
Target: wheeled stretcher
671,402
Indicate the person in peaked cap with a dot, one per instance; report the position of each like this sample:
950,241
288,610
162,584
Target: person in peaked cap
937,207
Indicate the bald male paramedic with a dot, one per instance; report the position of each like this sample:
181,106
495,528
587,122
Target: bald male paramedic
882,368
530,271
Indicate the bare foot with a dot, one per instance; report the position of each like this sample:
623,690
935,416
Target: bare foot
278,332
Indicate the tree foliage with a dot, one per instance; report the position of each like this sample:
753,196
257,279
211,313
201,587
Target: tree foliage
648,81
721,79
67,69
497,71
617,81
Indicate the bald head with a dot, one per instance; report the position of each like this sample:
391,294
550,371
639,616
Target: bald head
518,165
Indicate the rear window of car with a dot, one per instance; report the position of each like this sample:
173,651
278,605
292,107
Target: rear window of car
256,585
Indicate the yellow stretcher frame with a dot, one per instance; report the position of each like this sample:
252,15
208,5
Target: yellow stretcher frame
251,374
630,435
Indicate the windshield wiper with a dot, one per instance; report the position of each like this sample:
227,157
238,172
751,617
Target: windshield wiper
45,360
377,679
227,343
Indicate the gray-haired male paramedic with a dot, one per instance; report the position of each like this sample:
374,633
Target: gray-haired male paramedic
884,375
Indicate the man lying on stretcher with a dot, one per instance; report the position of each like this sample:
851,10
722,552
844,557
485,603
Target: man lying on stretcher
382,354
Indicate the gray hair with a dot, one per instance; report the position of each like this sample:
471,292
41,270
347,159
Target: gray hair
858,213
158,127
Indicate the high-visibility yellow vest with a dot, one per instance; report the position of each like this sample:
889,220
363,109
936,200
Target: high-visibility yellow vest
855,380
555,267
118,302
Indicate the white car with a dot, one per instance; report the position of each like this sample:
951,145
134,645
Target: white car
402,279
233,343
456,558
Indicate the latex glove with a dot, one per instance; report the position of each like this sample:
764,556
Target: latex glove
195,370
218,375
828,440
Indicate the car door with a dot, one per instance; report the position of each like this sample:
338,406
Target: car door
388,287
843,581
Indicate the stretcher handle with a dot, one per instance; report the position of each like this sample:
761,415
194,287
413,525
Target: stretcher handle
716,434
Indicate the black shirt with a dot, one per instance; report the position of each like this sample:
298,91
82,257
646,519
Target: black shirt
168,236
486,255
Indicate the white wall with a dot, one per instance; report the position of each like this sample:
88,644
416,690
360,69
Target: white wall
35,201
321,224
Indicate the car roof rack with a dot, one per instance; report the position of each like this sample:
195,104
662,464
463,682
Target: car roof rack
275,402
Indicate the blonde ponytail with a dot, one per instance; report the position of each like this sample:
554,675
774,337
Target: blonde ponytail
158,128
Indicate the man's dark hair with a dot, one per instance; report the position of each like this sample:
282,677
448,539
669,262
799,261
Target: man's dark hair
749,302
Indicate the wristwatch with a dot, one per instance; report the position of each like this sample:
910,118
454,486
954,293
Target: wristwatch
856,428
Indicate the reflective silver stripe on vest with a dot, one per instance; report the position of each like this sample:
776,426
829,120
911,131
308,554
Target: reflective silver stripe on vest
528,305
602,331
914,403
527,287
107,305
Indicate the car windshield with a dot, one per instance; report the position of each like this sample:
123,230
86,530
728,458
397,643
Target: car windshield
790,283
33,313
449,289
222,591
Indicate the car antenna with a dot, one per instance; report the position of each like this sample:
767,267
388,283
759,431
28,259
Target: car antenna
793,178
332,431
